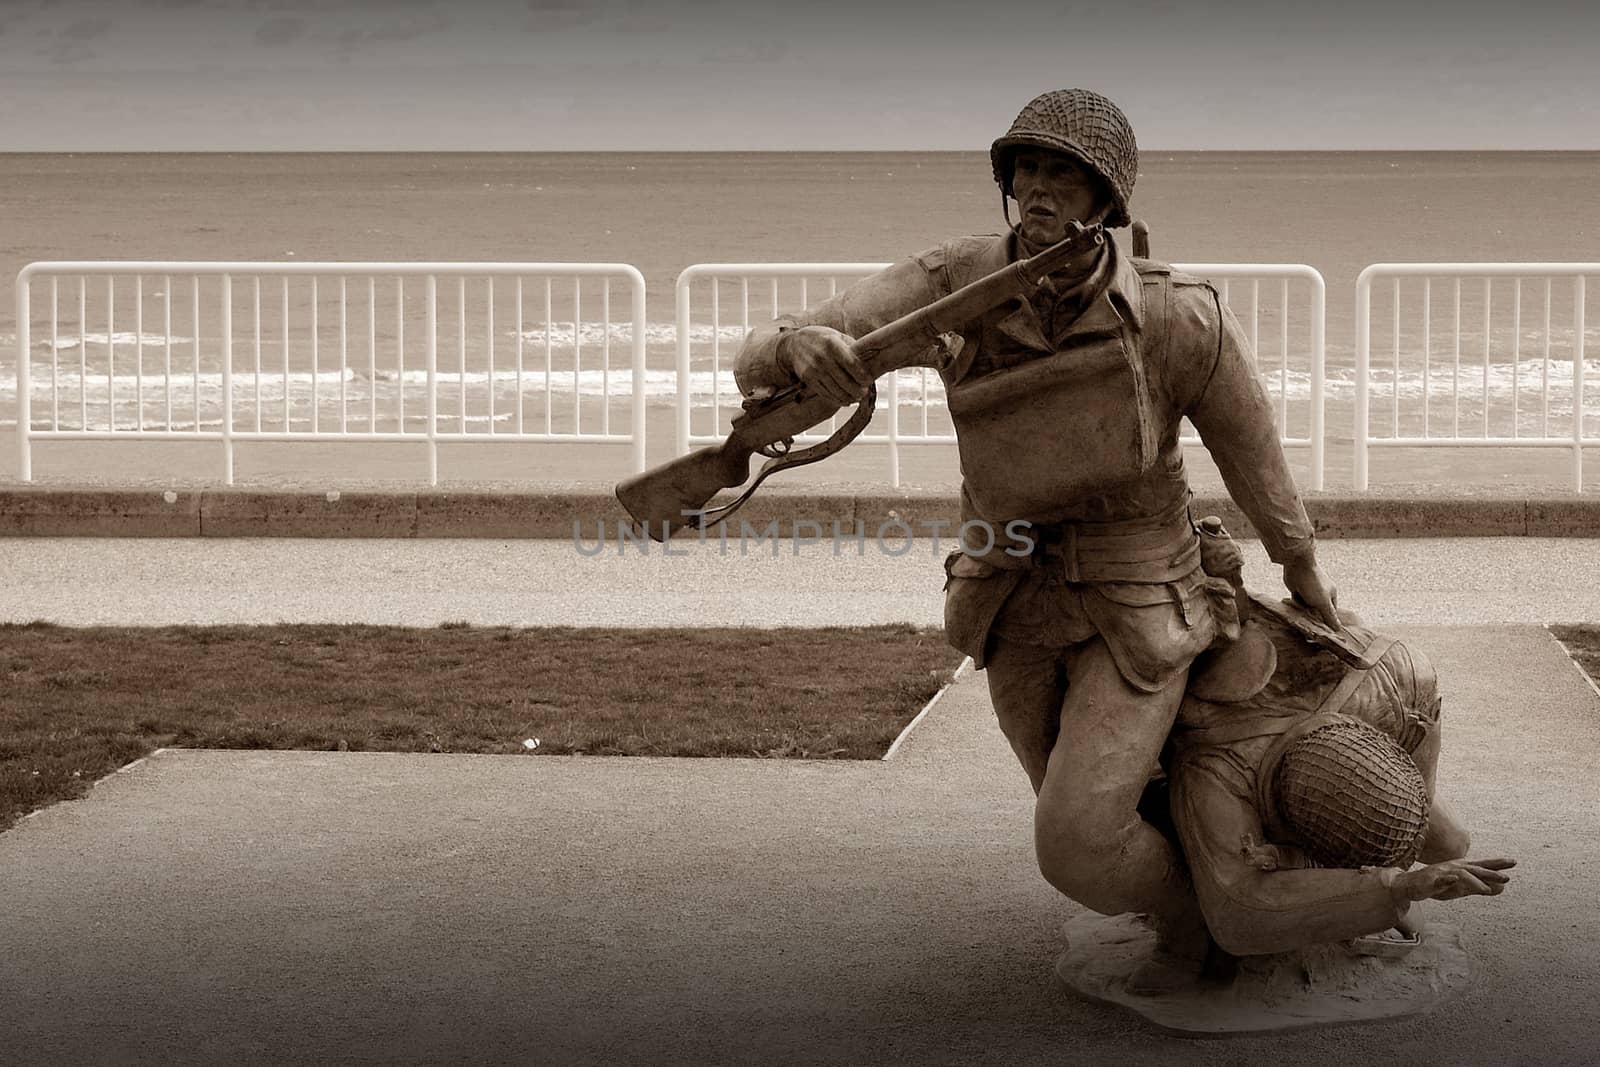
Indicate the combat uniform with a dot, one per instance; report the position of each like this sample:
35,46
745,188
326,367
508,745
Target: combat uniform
1223,762
1067,410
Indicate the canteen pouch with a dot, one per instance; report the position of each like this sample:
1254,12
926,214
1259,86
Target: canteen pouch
974,592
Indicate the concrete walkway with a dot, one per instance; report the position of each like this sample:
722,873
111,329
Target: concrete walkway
90,581
204,907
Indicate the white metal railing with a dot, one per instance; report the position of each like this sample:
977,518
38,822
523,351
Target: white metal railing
1520,326
705,351
714,386
1279,321
255,351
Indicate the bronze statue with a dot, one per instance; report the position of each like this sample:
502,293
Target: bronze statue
1300,785
1115,632
1302,805
1067,408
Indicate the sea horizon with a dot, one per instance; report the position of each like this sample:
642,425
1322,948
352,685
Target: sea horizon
667,152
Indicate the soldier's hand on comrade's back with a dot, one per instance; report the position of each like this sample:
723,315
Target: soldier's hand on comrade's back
821,357
1312,589
1454,878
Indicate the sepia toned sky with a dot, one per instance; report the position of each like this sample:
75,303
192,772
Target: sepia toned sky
239,75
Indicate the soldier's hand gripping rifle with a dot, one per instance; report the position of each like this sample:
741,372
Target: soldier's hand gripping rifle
675,494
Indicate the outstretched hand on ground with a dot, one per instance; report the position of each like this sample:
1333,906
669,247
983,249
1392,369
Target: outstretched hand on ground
1454,878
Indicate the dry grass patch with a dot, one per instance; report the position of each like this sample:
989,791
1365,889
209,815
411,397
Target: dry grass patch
79,703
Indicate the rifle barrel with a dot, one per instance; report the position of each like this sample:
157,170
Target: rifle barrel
915,332
659,496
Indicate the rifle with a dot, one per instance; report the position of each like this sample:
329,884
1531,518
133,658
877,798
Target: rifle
674,495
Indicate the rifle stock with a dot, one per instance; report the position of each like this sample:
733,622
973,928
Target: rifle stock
672,495
666,498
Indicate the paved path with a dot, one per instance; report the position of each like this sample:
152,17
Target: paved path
86,581
204,907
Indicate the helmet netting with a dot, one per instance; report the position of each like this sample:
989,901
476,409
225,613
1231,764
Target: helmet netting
1353,797
1084,125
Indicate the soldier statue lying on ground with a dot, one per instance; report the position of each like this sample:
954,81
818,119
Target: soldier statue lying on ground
1303,790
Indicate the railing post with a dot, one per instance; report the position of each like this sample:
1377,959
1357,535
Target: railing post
1319,363
227,379
1363,354
1577,383
111,353
681,332
894,428
24,378
432,295
639,399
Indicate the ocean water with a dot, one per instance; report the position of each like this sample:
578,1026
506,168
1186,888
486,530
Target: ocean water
661,212
664,211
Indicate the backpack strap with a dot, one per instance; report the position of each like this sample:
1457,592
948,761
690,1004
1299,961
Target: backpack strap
1156,285
1341,693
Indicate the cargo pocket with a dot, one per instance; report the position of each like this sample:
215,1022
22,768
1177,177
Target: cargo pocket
1154,631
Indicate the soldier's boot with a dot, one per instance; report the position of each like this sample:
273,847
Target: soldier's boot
1184,950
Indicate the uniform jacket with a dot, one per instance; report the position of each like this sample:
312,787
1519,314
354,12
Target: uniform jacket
1075,418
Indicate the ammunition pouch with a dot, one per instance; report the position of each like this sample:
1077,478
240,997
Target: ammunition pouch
1241,660
1153,631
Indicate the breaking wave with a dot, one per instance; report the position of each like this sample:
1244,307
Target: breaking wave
92,398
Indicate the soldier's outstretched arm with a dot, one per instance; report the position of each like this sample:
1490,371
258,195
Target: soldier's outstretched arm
1251,911
1453,879
1447,838
1235,418
813,346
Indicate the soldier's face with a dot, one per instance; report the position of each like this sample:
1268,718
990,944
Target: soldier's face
1052,189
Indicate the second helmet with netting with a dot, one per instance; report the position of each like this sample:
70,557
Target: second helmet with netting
1084,125
1352,797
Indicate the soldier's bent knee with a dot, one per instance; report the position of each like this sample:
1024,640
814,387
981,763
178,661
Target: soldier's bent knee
1086,860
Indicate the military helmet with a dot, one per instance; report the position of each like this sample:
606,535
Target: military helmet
1084,125
1351,796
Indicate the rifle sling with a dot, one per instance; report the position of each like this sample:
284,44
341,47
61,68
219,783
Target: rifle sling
841,437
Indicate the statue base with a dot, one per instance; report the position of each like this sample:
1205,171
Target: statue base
1321,985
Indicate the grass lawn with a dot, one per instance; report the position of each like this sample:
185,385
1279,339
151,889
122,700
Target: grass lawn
79,703
1583,643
